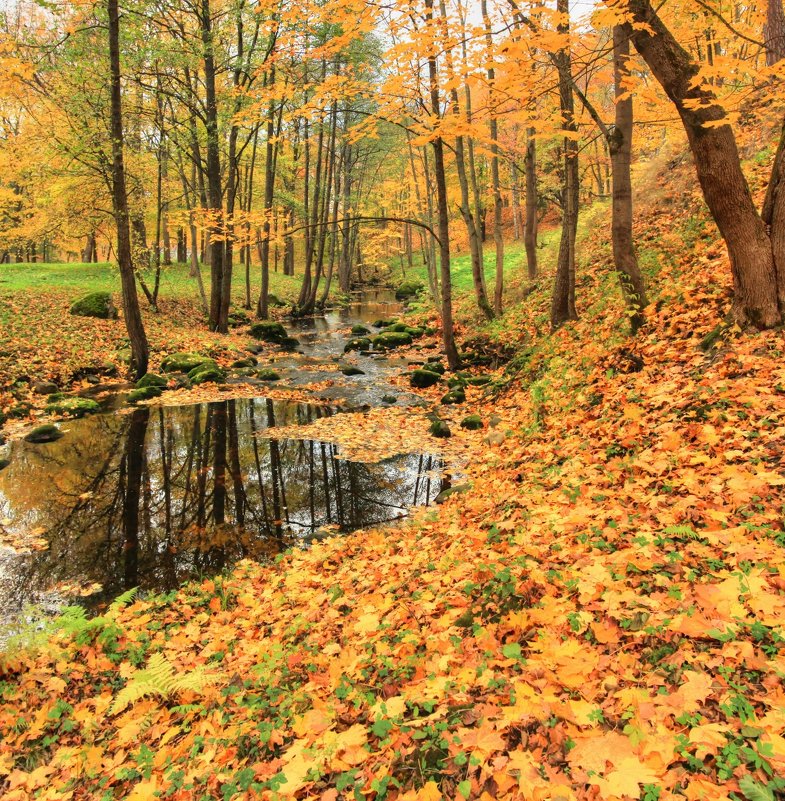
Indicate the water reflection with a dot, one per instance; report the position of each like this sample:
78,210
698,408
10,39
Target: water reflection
155,497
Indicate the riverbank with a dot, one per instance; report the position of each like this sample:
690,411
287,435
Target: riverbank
599,616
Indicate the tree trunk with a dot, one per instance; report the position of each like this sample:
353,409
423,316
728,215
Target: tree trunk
563,301
620,146
717,163
131,312
448,334
774,32
530,228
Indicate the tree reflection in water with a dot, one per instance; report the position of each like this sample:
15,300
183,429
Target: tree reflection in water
165,494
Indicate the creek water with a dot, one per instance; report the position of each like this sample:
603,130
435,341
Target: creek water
160,495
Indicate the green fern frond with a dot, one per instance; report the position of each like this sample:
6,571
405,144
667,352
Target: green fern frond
122,601
160,679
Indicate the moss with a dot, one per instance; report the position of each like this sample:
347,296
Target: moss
74,407
383,323
456,381
268,331
360,329
268,374
357,343
478,380
440,429
240,363
151,380
143,393
454,396
290,343
45,433
423,378
391,339
96,304
209,372
274,300
414,331
408,289
434,367
472,422
183,362
399,328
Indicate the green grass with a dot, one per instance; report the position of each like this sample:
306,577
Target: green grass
80,279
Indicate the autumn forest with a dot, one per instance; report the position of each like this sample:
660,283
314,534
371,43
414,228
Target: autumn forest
392,400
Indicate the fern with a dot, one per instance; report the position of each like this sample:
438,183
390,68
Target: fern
159,678
122,601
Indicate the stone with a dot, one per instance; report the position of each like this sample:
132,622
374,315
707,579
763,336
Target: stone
92,379
350,371
144,393
268,331
45,433
357,343
74,407
389,399
96,304
459,489
494,438
45,388
290,343
151,380
472,422
268,374
391,339
440,429
415,332
251,361
254,348
4,463
184,362
383,323
408,289
434,367
423,378
478,380
454,396
207,373
360,329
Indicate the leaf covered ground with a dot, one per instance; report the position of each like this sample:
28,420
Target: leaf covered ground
599,617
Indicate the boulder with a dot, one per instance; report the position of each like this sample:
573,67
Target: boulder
268,331
45,388
351,370
454,396
183,362
74,407
151,380
434,367
357,343
391,339
290,343
45,433
423,378
360,329
389,399
408,289
440,429
472,422
268,374
251,361
144,393
209,372
96,304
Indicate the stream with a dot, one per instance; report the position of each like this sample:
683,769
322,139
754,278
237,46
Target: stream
164,494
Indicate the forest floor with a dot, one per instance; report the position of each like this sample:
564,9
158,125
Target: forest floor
598,617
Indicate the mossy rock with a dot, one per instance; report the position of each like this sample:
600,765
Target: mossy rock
408,289
434,367
383,323
394,327
268,374
472,422
251,361
56,396
238,318
440,429
389,399
459,489
351,370
360,329
45,433
357,343
456,381
478,380
144,393
290,343
423,378
274,300
183,362
391,339
209,372
454,396
74,407
45,388
21,409
268,331
429,330
151,380
415,332
96,304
